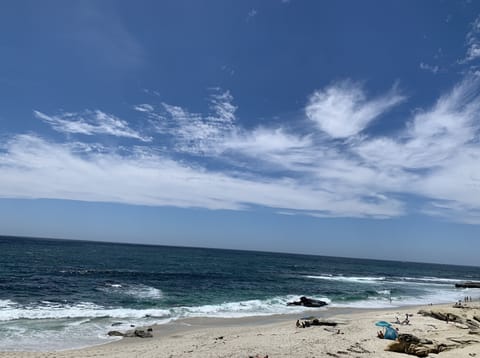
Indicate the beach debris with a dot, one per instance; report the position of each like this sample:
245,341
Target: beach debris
410,344
307,302
131,334
217,338
116,324
314,322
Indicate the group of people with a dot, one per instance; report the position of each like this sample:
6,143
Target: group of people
465,300
405,321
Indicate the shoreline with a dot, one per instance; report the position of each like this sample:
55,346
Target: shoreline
277,336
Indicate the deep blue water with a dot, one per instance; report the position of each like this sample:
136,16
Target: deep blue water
57,294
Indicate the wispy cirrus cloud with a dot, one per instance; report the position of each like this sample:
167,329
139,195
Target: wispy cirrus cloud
197,133
90,123
151,179
342,109
473,42
434,158
430,68
144,107
439,151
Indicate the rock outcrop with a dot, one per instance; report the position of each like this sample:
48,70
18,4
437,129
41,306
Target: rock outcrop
307,302
468,284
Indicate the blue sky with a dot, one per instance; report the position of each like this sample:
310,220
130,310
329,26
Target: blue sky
335,127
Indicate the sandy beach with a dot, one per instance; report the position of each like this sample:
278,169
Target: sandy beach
355,335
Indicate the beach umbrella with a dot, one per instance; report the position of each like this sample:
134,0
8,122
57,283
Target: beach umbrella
382,324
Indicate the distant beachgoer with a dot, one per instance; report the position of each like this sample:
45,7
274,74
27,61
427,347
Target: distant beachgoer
298,324
406,320
380,334
397,321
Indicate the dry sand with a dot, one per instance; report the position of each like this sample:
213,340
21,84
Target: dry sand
279,337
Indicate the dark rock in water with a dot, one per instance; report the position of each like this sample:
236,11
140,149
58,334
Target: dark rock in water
142,334
468,284
307,302
115,334
116,324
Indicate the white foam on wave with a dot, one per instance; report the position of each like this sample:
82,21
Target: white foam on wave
53,310
54,326
144,292
141,292
267,307
384,292
6,303
420,281
434,297
432,279
358,279
87,310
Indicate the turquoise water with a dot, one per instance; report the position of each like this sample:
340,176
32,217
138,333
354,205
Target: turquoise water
58,294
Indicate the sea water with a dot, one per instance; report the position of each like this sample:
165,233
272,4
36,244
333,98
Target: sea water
60,294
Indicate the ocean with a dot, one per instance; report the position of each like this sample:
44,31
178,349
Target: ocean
60,294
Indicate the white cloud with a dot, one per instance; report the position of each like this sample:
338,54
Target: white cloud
439,152
32,167
473,42
434,158
430,68
144,108
251,14
342,109
89,123
194,132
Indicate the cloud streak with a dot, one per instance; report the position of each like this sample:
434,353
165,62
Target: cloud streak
149,179
331,169
90,123
342,109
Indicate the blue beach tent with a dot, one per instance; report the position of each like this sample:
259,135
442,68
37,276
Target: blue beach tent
382,324
390,332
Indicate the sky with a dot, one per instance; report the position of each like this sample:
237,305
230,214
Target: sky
339,128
